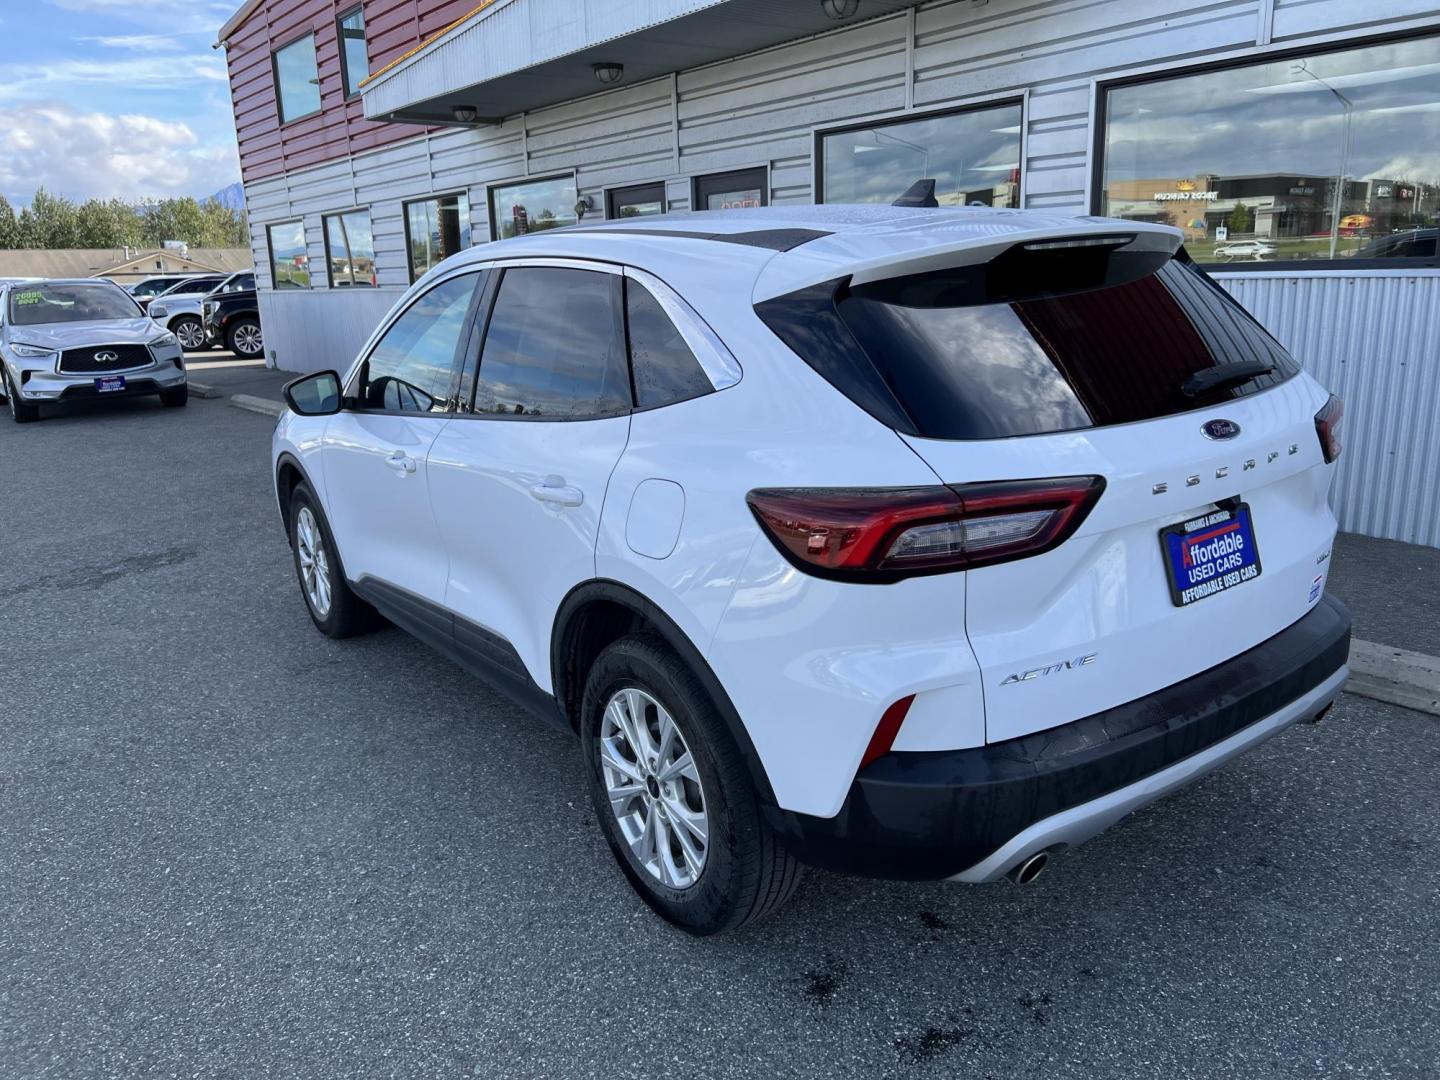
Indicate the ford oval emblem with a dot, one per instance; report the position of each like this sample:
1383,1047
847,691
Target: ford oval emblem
1220,429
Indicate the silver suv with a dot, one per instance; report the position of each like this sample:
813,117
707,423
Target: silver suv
82,338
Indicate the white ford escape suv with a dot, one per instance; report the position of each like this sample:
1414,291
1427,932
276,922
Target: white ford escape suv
910,543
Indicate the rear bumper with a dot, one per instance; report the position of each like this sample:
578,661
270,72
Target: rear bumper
974,814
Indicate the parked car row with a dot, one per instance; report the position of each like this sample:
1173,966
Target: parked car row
234,319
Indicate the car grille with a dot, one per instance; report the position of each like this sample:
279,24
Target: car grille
95,358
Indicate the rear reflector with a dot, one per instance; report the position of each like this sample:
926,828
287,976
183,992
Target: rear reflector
886,730
1327,426
885,534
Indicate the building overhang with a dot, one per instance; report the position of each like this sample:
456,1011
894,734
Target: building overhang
513,56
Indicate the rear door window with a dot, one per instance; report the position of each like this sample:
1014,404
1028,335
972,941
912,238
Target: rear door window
934,355
555,346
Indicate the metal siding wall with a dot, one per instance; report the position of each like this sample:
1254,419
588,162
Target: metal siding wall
1373,339
311,330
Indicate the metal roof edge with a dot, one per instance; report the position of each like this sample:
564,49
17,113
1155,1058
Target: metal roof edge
434,39
233,23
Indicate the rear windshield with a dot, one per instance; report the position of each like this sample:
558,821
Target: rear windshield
937,355
31,305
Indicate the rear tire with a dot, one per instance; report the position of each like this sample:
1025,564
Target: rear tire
744,872
336,611
176,398
190,333
21,412
244,339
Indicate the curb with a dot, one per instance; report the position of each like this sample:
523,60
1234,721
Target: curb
203,390
264,406
1395,676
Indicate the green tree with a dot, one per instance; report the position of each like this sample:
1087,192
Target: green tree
56,220
9,227
1241,219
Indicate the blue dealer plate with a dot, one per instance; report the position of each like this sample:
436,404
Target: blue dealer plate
1210,553
108,383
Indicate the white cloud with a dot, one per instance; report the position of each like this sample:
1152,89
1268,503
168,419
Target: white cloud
68,77
84,154
138,42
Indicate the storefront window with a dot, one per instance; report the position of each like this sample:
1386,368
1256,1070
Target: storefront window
738,190
435,229
973,157
641,200
517,209
289,263
1331,156
350,246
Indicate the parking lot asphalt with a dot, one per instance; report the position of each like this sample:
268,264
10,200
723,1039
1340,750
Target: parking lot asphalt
230,847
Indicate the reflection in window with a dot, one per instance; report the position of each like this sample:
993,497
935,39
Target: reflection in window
517,209
297,79
437,229
1327,156
354,61
973,157
289,263
739,190
411,368
350,247
664,368
555,346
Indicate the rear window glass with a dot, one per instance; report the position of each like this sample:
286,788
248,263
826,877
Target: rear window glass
933,354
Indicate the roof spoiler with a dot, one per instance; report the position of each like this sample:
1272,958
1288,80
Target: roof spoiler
920,193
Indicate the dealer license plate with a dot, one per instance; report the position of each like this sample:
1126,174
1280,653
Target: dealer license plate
1210,553
109,383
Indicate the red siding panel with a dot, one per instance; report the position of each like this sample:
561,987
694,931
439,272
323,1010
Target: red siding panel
392,27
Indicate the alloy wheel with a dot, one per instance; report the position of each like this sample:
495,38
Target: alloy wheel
654,788
249,340
314,563
190,333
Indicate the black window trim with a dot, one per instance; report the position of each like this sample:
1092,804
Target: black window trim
893,117
435,196
1100,101
270,248
573,175
275,77
609,194
325,220
458,361
353,9
698,178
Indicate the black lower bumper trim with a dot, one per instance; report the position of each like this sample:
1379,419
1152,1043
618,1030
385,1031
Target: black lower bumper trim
133,388
927,815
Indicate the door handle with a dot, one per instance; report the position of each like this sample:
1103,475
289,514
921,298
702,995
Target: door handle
555,490
401,462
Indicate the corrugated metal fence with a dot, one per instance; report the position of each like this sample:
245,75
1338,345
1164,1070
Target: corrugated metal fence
1374,339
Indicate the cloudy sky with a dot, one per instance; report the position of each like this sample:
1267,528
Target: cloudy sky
120,98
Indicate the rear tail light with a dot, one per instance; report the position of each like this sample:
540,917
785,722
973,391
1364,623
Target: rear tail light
885,534
1327,426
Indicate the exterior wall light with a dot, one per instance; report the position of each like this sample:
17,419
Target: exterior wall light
465,114
608,73
840,9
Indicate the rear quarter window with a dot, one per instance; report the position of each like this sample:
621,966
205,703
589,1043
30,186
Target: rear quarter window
935,355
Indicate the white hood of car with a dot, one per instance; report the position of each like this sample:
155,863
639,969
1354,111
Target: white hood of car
78,335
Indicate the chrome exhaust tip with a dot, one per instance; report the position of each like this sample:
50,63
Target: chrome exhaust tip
1023,873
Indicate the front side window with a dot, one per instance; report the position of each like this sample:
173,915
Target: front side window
39,303
354,59
350,249
436,229
1330,156
412,368
297,79
664,368
973,157
517,209
289,262
555,346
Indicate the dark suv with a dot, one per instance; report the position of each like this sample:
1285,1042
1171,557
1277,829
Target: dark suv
232,316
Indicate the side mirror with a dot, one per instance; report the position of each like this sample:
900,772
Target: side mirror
314,395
